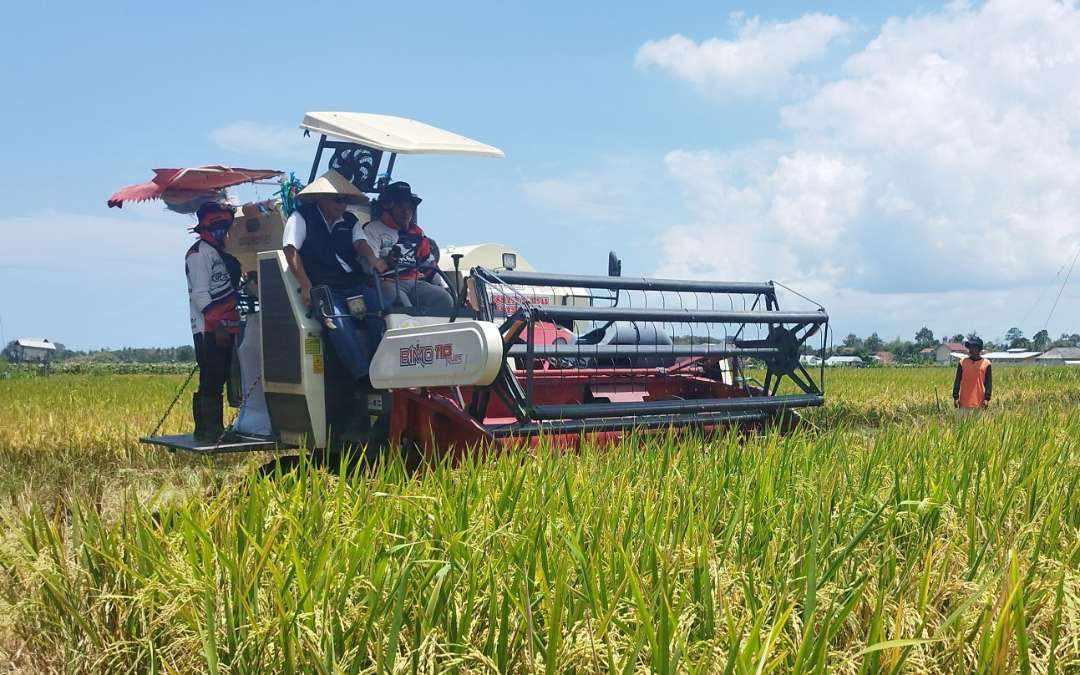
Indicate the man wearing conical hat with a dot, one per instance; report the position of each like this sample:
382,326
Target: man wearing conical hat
318,247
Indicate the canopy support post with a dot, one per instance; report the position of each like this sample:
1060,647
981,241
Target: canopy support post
318,158
390,166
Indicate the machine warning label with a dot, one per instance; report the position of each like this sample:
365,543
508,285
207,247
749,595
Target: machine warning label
426,355
316,363
312,345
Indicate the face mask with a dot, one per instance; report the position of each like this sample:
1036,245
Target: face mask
219,233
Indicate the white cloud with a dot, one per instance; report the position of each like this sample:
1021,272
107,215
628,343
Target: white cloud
115,280
612,193
761,58
941,167
263,140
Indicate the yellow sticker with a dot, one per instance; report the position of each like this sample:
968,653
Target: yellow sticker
312,345
316,363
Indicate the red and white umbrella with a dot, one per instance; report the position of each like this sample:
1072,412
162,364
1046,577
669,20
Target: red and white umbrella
181,187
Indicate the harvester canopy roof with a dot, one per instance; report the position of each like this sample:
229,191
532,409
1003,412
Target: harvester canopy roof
394,134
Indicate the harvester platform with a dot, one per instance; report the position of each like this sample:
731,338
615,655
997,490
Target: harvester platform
187,442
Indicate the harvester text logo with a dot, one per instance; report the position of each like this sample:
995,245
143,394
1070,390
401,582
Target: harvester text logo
425,355
506,304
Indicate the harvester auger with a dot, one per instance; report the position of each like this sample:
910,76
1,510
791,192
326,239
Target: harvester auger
522,356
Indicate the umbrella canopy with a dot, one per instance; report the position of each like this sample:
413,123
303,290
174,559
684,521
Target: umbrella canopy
187,185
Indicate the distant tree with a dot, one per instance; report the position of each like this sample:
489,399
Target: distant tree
959,337
185,353
852,344
874,343
903,350
1067,340
9,351
1041,341
1014,336
925,337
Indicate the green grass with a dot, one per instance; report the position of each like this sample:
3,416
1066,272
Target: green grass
893,536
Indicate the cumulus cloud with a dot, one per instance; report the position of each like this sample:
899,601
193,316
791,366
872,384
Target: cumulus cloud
263,140
761,58
941,163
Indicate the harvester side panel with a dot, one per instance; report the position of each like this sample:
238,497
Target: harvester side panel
292,357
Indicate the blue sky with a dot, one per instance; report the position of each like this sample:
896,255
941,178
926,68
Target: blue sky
907,167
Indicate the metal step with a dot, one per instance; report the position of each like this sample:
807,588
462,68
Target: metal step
578,411
187,442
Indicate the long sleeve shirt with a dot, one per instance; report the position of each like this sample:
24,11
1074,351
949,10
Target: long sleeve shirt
212,286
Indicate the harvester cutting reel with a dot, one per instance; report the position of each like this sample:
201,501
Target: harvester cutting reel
595,354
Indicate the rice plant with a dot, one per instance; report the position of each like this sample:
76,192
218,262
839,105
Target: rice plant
891,536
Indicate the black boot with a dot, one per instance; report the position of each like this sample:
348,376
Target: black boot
211,413
197,415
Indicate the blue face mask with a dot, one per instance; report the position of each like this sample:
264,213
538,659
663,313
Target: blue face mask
219,233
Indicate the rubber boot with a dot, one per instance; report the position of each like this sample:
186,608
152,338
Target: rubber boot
197,415
211,413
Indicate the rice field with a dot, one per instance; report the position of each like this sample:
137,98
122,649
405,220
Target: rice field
889,535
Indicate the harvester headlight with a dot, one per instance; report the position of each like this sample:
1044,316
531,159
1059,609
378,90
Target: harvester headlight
509,261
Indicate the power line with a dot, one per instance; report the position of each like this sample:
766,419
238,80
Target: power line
1042,294
1062,289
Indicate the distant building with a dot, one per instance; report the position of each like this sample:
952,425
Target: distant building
884,358
810,360
943,353
844,361
1012,357
33,350
1059,356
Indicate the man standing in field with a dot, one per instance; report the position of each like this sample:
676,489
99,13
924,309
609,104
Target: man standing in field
973,382
213,278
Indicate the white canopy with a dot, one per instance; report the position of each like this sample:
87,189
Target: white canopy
394,134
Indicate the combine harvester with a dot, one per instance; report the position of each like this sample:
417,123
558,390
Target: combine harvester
525,355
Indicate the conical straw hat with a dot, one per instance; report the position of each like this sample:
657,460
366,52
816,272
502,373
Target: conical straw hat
332,183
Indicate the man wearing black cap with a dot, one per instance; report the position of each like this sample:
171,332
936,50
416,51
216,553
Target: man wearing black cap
213,278
394,243
973,383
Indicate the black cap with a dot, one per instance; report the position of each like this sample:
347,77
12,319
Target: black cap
973,341
397,191
213,207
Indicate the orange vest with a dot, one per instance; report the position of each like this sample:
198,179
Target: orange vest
973,382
